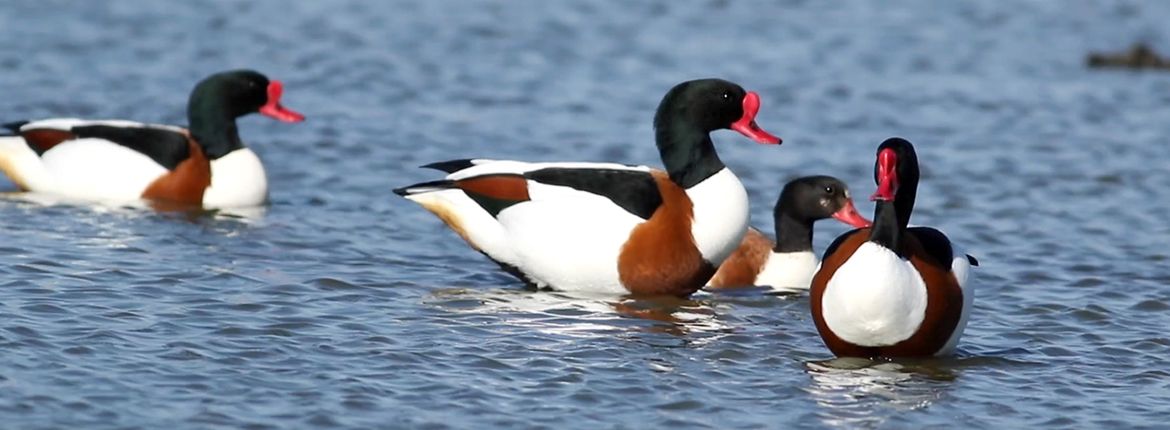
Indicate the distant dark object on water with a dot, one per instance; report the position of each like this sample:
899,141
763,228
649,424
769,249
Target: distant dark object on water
1139,56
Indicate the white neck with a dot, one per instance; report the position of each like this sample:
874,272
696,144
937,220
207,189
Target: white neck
721,215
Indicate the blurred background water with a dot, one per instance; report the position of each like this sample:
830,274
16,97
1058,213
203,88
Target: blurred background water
344,306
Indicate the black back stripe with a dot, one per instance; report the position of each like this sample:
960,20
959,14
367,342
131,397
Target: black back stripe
14,127
166,147
632,190
450,166
424,187
491,204
935,243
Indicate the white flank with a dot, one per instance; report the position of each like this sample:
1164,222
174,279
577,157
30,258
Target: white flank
571,239
568,238
721,215
789,270
961,268
93,169
562,237
875,299
237,180
97,169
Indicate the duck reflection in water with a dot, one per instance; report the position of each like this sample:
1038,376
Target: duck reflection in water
857,392
583,314
177,210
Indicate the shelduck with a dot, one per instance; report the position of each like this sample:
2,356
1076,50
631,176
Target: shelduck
788,264
611,227
115,160
892,290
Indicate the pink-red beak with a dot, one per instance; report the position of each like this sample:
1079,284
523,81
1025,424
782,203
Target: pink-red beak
849,215
887,176
747,126
274,109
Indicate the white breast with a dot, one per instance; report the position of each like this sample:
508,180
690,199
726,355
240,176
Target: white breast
789,270
237,179
721,215
875,299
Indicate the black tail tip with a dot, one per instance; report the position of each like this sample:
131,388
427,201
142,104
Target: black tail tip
424,187
972,260
14,126
451,166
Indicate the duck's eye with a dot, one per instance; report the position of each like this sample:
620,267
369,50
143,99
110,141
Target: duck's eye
725,96
830,190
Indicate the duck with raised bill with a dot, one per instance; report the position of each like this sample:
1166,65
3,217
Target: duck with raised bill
891,290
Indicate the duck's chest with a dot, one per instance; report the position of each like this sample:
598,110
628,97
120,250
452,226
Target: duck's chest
671,252
237,179
719,215
875,298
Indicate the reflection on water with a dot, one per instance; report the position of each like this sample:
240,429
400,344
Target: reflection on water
134,207
345,306
856,392
585,314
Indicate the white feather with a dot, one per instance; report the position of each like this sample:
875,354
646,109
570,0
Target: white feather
23,166
98,169
572,239
875,299
721,215
568,238
489,167
66,124
481,230
961,268
237,180
562,236
789,270
88,169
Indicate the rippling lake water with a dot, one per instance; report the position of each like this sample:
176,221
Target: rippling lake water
344,306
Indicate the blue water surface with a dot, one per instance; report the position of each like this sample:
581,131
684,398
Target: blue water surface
344,306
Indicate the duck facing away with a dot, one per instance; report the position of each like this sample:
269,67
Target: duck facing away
611,227
114,160
891,290
789,263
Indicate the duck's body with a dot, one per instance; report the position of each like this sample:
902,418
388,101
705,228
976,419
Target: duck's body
610,227
755,262
892,290
116,161
789,263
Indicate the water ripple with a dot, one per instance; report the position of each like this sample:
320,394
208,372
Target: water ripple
343,306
